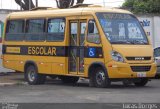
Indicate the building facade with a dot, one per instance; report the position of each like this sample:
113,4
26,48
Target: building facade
3,15
151,24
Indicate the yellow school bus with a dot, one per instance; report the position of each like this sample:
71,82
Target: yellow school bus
102,44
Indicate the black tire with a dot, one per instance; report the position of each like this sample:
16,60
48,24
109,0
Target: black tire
33,77
141,82
157,76
69,79
100,78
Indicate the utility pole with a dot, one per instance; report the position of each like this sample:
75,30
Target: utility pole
104,3
21,5
36,3
29,4
1,4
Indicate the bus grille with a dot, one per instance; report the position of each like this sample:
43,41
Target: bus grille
138,58
140,68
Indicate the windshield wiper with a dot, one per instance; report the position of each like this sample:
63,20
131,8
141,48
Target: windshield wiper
138,42
121,42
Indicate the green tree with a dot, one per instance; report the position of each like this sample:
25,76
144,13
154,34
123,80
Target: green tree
142,6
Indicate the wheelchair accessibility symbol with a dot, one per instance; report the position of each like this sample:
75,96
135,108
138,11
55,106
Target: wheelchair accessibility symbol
91,52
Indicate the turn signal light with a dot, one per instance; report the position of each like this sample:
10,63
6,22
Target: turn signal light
110,65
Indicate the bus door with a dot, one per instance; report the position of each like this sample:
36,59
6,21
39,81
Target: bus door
76,47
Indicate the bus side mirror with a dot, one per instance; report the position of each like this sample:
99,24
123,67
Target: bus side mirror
91,27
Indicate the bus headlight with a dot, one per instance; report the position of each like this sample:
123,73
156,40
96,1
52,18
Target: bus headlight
117,56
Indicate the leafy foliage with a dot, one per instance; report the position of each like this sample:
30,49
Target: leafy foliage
142,6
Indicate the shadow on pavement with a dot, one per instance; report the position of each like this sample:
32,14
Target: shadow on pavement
19,78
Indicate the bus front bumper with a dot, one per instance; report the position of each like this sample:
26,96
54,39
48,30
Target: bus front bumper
125,70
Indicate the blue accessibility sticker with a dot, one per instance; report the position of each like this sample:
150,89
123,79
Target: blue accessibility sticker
92,52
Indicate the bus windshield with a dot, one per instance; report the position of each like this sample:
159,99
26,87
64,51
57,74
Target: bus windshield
122,28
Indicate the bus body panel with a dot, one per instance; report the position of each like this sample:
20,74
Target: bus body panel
123,70
58,65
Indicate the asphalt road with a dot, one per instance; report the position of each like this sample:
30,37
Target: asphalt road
56,92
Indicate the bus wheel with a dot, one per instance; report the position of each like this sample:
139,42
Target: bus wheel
33,77
69,79
141,82
100,78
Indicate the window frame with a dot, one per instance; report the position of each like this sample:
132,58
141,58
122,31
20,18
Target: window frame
88,32
45,33
148,43
7,29
85,32
62,18
26,29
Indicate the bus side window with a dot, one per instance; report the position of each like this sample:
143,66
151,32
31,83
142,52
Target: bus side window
1,31
15,30
35,30
93,35
56,29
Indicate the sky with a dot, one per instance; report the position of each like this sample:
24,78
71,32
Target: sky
10,4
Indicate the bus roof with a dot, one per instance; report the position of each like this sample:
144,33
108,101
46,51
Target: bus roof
55,12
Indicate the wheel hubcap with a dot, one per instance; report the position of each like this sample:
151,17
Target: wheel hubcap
100,77
31,76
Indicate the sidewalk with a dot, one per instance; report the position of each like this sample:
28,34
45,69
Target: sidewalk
4,70
11,78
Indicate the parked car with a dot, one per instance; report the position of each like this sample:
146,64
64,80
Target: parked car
157,59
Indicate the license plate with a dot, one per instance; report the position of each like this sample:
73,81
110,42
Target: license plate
141,74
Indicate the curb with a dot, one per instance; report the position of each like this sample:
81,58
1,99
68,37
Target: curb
4,73
7,73
11,84
7,84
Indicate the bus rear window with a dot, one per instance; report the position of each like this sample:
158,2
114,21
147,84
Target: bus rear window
15,30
